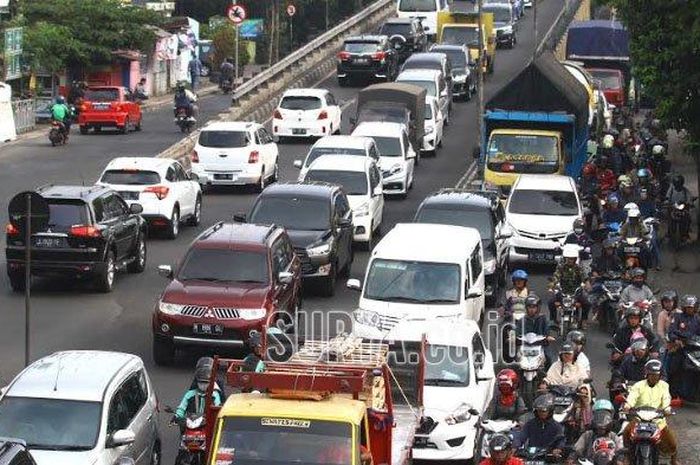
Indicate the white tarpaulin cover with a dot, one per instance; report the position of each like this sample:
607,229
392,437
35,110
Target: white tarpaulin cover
7,119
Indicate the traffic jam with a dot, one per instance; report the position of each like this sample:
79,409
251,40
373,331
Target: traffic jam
453,349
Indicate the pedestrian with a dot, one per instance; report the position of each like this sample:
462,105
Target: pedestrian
140,90
195,70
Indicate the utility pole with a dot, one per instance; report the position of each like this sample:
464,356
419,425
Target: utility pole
27,280
327,2
480,94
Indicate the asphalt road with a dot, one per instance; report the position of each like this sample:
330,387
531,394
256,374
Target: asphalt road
69,316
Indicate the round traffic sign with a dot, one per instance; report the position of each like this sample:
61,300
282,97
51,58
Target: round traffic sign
291,10
17,211
236,13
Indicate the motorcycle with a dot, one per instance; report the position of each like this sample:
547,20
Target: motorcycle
607,291
226,85
645,306
184,122
537,455
192,450
57,134
679,222
646,435
509,323
530,360
569,311
633,250
489,429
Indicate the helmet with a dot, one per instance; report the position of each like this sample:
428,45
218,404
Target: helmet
643,173
633,311
652,367
613,198
60,99
579,224
655,124
507,377
180,86
678,181
638,272
624,181
519,274
532,299
589,169
657,149
570,251
576,337
670,294
566,348
639,343
500,442
602,419
204,362
608,141
630,206
689,300
609,243
254,339
603,404
202,376
544,402
633,213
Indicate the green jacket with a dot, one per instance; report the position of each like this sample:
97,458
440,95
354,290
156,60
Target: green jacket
60,112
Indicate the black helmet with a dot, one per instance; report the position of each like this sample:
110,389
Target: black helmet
576,337
609,243
545,402
689,300
500,442
180,86
633,311
637,272
532,299
602,420
254,340
202,374
652,367
566,348
670,294
579,224
678,181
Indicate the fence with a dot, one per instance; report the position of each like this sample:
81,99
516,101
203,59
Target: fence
25,115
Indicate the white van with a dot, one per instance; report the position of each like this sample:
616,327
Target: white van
426,10
420,272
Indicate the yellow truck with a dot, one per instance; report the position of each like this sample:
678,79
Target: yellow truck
456,28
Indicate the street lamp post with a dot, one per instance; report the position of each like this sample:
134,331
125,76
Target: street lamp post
480,68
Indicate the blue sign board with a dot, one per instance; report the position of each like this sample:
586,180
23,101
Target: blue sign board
251,29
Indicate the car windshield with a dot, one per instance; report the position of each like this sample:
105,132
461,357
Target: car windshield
299,213
320,151
223,139
362,47
446,365
224,265
66,213
457,58
281,441
353,182
413,282
388,146
429,86
102,95
390,29
130,177
51,424
460,36
417,5
608,79
300,103
538,202
479,219
523,149
500,14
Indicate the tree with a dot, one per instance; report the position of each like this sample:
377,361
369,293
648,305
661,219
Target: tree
664,48
224,42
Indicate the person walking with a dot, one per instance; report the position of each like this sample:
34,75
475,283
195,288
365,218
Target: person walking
195,70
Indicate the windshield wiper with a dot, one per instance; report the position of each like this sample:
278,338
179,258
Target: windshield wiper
253,281
398,298
54,447
439,382
439,301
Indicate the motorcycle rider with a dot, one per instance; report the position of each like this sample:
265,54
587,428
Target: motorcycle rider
626,189
669,308
633,328
194,400
589,180
564,372
501,451
679,194
507,403
684,325
543,431
578,340
652,392
254,360
61,113
602,422
607,262
612,213
569,276
634,226
535,322
632,366
184,98
578,236
227,71
519,290
607,181
637,291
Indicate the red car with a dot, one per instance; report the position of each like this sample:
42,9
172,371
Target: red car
612,83
235,278
109,106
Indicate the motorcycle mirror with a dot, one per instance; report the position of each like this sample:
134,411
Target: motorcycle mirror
610,345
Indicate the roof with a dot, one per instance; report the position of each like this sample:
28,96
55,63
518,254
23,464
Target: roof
353,142
379,128
400,20
597,40
306,189
229,126
238,233
334,408
459,197
427,242
418,75
544,86
437,48
552,182
51,191
457,332
530,132
366,38
427,56
139,163
308,92
71,375
341,163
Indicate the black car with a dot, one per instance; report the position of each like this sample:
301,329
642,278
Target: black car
504,22
14,452
92,233
318,220
407,35
368,57
464,78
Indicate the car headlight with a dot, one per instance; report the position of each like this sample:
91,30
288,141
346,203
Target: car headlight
170,309
366,317
318,250
507,30
429,130
490,266
251,313
459,78
362,210
460,415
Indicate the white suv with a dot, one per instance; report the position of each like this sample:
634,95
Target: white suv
338,145
398,159
231,153
84,408
161,186
306,113
361,180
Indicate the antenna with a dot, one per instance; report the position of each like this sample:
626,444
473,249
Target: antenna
58,372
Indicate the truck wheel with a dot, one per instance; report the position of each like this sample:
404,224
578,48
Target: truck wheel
163,352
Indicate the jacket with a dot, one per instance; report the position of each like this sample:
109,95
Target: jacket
547,435
614,216
569,277
571,374
632,293
193,402
607,264
538,325
624,332
683,326
638,229
498,411
632,369
511,461
657,396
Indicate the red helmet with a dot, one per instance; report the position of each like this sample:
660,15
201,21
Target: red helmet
507,380
589,169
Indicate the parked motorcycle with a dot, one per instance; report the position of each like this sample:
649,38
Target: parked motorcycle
57,134
192,449
531,360
646,435
184,122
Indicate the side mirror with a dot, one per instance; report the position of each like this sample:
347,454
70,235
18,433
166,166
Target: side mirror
426,28
136,208
473,412
610,345
193,177
240,218
354,284
476,153
123,437
165,271
474,293
344,222
297,164
506,233
378,191
285,277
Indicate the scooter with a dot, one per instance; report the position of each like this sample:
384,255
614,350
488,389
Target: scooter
57,134
531,360
490,428
192,449
509,324
184,122
226,85
646,435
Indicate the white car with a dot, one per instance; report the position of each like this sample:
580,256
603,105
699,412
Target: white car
306,113
398,159
458,385
433,126
361,180
541,210
338,145
426,10
83,408
231,153
434,84
166,192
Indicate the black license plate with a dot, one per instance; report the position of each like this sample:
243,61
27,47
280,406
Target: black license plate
420,442
298,131
207,329
632,249
50,242
223,177
541,257
361,61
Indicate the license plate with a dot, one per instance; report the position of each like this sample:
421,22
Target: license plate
207,329
101,107
420,442
632,249
362,61
50,242
223,177
298,131
541,257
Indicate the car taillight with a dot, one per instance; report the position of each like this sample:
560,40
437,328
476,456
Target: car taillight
194,157
507,167
277,115
323,114
160,191
117,107
379,56
254,156
84,231
83,107
343,56
10,230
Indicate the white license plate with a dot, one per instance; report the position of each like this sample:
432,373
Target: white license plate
49,242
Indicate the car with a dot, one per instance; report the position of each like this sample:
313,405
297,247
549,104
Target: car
464,78
436,61
161,186
367,57
318,219
398,158
435,85
361,179
505,23
458,384
233,279
14,452
407,35
427,10
517,6
420,272
233,153
481,210
540,212
434,124
109,106
306,113
84,407
92,234
338,145
612,83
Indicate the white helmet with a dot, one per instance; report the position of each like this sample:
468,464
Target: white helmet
631,206
633,213
570,251
657,149
608,141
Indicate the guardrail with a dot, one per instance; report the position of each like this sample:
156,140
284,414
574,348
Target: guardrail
25,115
559,27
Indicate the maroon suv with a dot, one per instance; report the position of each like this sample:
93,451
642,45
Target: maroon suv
234,278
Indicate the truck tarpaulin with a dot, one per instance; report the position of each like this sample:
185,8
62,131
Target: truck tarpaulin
597,40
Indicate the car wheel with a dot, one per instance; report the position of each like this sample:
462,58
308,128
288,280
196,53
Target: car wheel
260,186
155,454
138,126
125,129
276,173
84,130
329,283
105,280
369,245
174,224
196,217
343,82
139,263
163,352
17,282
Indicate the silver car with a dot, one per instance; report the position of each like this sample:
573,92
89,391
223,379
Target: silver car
83,407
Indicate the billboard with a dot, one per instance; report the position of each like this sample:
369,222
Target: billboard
251,29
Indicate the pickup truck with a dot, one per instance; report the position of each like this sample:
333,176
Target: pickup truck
457,28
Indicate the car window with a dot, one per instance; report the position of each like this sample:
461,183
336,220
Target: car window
342,207
126,403
406,142
301,102
475,262
223,139
374,178
267,136
99,209
180,174
102,95
330,99
130,177
113,207
374,152
280,259
170,174
258,138
362,47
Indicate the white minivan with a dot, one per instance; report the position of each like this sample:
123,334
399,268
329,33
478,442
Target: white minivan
426,10
420,272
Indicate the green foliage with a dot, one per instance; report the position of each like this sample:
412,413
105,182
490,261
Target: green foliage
224,43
